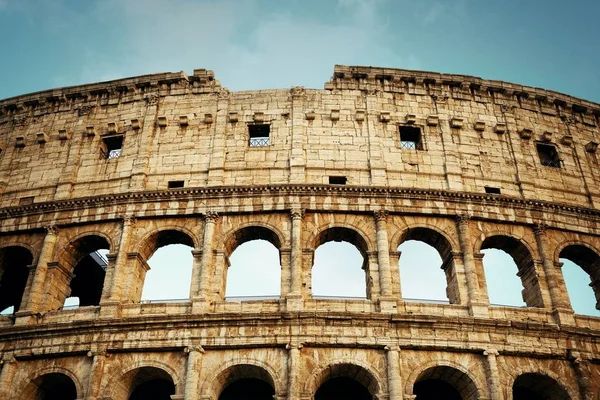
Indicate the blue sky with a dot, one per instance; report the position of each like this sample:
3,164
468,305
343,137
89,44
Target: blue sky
259,44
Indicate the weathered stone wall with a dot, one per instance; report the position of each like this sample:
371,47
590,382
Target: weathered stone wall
62,198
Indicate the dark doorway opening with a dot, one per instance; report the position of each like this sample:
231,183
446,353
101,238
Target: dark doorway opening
56,386
433,389
248,389
342,388
155,389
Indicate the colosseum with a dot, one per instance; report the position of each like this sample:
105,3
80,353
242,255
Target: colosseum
376,158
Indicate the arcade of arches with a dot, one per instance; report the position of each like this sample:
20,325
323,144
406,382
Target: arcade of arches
296,346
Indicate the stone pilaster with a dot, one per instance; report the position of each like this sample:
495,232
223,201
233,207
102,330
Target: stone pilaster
57,286
476,307
297,153
36,291
192,373
292,371
119,282
561,308
96,373
386,302
201,298
493,375
393,372
294,298
196,271
9,367
216,168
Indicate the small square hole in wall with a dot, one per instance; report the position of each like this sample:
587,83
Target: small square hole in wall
410,138
175,184
492,190
259,135
548,155
23,201
112,146
337,180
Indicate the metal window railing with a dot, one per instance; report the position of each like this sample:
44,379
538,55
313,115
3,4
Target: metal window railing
260,141
408,145
550,162
116,153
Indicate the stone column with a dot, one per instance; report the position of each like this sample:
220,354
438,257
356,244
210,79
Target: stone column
196,271
36,291
294,298
96,373
285,256
57,286
563,313
476,307
192,373
493,377
293,391
210,220
386,302
119,282
584,375
393,372
9,367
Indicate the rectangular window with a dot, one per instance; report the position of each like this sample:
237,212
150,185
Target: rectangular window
337,180
112,146
548,155
492,190
175,184
23,201
410,138
259,135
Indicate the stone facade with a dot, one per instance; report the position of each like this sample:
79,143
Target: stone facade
378,157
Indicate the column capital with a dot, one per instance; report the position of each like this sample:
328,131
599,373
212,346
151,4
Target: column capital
391,347
380,215
297,213
210,216
491,352
128,219
97,353
194,348
294,346
539,229
462,219
51,229
196,253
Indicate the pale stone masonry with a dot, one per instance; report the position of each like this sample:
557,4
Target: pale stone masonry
378,157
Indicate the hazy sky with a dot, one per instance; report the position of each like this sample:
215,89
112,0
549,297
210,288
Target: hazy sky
258,44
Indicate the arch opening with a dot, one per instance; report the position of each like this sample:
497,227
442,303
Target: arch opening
346,381
443,382
50,386
144,383
581,267
423,252
169,258
86,259
531,292
532,386
340,265
246,381
249,260
250,252
499,266
14,272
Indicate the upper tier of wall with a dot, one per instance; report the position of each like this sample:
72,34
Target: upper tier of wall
475,134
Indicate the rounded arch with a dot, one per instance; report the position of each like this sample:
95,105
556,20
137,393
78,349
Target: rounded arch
25,245
30,388
523,255
15,262
81,245
340,233
536,385
237,369
429,235
249,232
450,372
353,369
165,236
532,369
122,384
587,258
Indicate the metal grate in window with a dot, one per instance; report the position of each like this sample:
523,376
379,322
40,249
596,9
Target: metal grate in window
408,145
259,142
114,153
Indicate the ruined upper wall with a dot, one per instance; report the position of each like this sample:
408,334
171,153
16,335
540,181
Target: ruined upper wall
476,136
